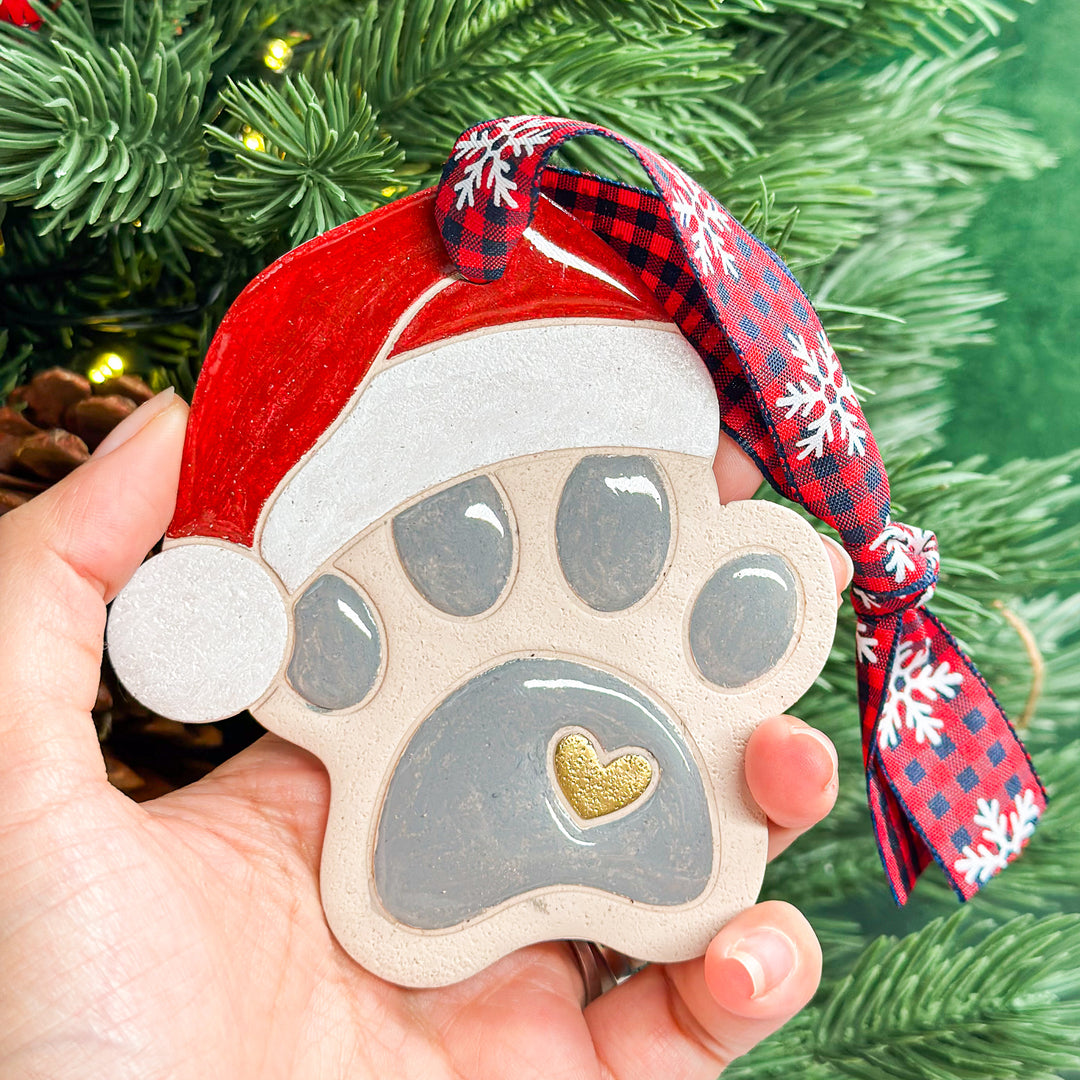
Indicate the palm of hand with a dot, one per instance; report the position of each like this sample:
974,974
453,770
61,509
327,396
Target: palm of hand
198,919
186,937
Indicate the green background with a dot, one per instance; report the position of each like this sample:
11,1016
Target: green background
1021,396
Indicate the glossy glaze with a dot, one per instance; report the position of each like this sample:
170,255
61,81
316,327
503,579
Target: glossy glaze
613,529
474,816
546,279
744,619
457,547
337,647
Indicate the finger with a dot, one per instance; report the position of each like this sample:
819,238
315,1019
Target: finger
842,566
62,557
693,1019
793,774
737,477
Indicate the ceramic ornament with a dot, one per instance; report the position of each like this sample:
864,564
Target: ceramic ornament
494,591
447,519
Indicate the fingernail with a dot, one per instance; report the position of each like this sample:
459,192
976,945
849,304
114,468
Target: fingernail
849,566
133,424
824,740
768,958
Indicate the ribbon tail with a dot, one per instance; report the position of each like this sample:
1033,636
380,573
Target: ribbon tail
904,854
947,776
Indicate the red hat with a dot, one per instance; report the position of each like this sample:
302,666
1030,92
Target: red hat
354,373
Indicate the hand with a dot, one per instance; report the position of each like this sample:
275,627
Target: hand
185,937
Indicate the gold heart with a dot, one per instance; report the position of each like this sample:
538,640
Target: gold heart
595,790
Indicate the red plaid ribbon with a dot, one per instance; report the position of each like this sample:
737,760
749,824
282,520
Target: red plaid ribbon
947,777
20,13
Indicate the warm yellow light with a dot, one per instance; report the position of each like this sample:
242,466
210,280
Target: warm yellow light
278,54
391,190
107,365
252,139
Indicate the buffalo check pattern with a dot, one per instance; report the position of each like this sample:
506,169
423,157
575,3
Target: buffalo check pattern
948,779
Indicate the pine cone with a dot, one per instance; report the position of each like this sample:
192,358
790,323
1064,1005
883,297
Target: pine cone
53,423
48,427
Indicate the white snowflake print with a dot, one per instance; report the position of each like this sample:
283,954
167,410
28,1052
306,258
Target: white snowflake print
903,543
697,211
914,685
865,598
826,387
1004,836
490,150
865,644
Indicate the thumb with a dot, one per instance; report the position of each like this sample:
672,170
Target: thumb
63,556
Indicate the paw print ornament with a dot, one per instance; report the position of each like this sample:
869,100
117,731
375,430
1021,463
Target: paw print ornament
447,519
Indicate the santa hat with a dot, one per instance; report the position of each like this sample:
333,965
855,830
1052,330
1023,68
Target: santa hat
356,372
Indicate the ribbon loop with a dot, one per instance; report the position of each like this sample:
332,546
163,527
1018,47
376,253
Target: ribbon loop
947,778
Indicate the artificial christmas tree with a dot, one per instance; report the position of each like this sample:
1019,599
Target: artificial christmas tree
154,157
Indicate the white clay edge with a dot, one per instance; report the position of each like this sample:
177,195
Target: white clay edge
474,402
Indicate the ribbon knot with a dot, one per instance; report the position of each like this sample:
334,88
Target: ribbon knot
947,778
896,570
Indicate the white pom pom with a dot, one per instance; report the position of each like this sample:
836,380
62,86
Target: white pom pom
199,632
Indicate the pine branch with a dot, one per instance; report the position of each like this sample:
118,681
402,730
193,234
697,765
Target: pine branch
98,134
905,299
918,25
1054,620
949,1002
854,156
317,161
996,531
534,58
669,74
401,50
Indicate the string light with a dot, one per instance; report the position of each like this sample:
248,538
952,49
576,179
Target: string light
391,190
278,54
107,365
252,139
